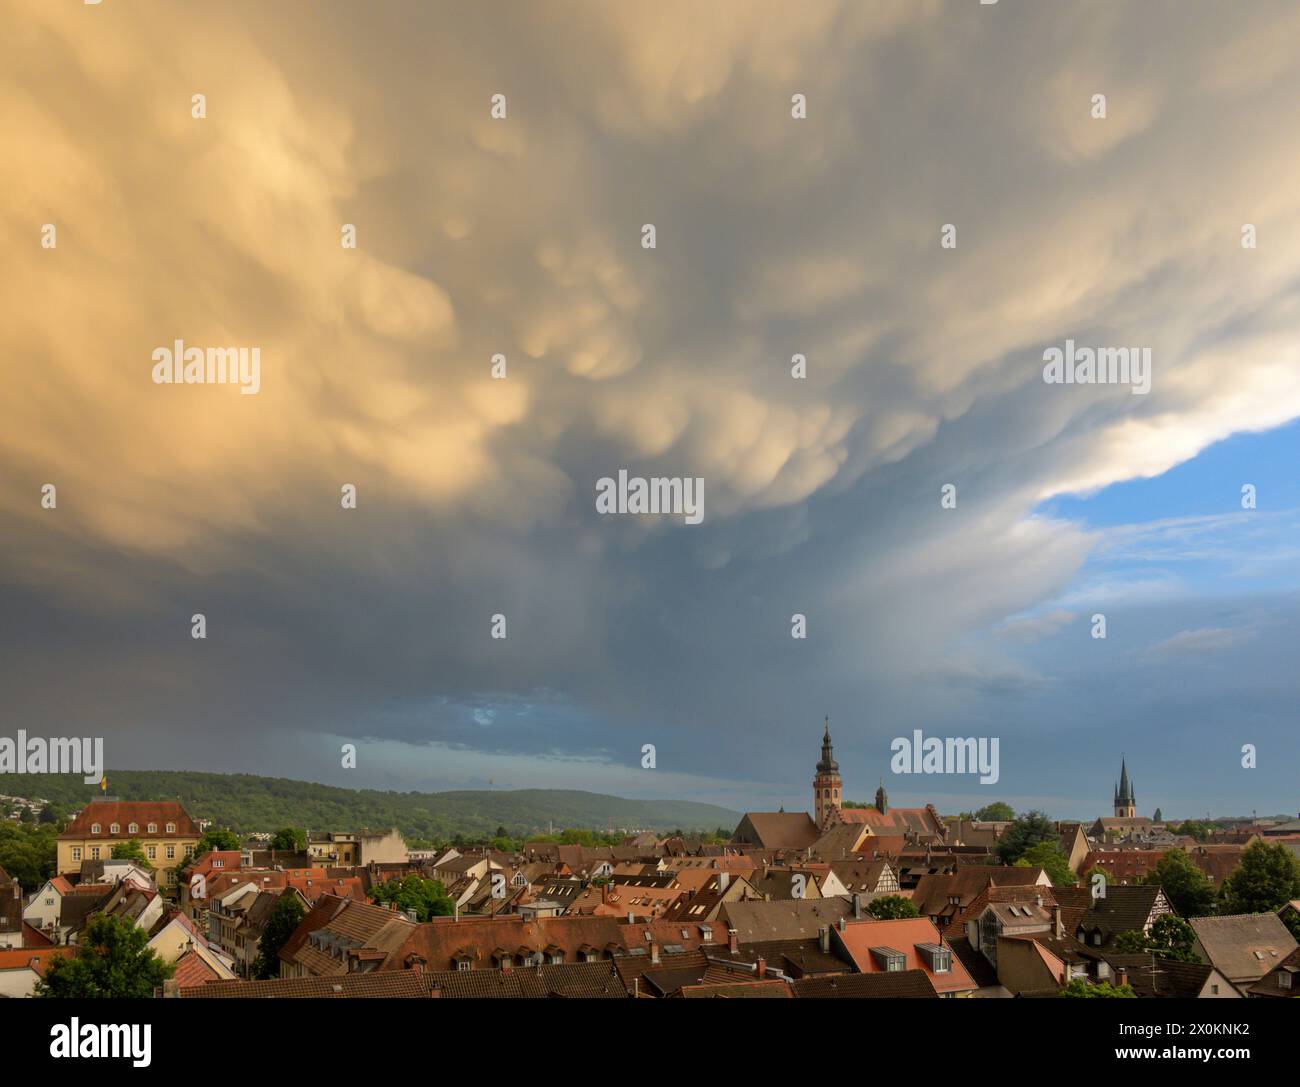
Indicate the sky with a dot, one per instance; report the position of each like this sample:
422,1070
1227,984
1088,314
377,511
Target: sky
522,235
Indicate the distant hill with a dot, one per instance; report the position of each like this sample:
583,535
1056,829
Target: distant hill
245,803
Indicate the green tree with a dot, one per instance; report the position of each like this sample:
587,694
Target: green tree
997,812
28,852
1080,988
48,815
286,915
1292,921
25,816
1265,881
131,851
1131,942
1170,938
1193,829
290,839
113,960
1188,889
424,897
217,838
1048,856
891,907
1027,830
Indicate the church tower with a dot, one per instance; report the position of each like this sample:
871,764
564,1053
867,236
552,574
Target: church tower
826,782
1125,802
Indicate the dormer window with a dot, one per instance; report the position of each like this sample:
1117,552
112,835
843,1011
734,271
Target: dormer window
171,828
132,828
114,828
153,828
94,828
1283,980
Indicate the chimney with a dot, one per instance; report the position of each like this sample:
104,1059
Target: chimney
654,952
760,968
1121,976
857,907
733,941
724,878
604,894
1058,930
1038,900
841,924
824,938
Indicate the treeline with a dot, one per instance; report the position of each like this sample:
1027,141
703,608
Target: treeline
244,803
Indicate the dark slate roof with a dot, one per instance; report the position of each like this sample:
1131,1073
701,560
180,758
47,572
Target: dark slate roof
1150,976
1125,908
581,980
899,984
387,985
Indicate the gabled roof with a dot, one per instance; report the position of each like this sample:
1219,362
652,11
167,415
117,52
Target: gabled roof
126,812
33,958
1125,908
407,984
437,942
1151,976
899,984
1244,946
905,935
788,919
1270,985
777,830
579,980
737,990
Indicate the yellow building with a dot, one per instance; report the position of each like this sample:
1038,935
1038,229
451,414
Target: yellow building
164,829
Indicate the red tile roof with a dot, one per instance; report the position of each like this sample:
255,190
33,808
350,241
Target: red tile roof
192,970
902,935
126,812
38,958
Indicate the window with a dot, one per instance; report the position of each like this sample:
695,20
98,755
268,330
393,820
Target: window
94,852
1283,980
1214,989
115,828
153,828
152,852
49,902
133,828
76,852
557,958
94,828
216,863
171,852
171,828
189,851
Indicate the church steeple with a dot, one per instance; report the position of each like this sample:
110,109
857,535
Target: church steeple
826,781
882,799
1125,802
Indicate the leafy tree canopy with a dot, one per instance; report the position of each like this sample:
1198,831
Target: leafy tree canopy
891,907
997,812
131,851
113,960
1048,856
424,897
286,915
1265,881
1188,888
1027,830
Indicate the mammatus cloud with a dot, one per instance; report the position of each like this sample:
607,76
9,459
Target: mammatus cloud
521,236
